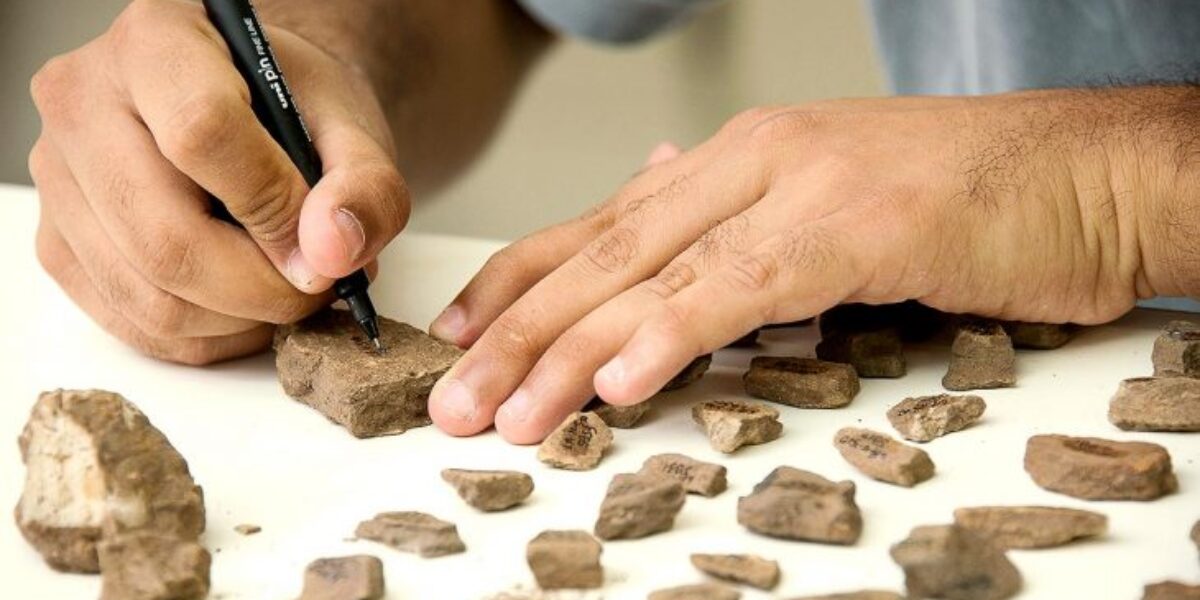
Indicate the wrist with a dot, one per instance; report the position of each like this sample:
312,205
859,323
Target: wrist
1161,187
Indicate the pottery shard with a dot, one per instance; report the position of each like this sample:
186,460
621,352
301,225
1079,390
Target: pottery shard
326,362
146,565
731,425
414,532
1099,469
1031,526
799,505
1170,590
690,374
877,353
697,477
490,490
924,418
859,595
358,577
565,559
1196,535
97,469
1177,350
749,569
247,528
1039,336
801,382
618,417
881,457
697,591
1156,404
638,505
577,444
981,357
947,561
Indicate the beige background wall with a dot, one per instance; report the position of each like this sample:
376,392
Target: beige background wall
585,118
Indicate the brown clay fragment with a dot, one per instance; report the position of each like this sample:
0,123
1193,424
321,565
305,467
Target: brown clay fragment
1097,469
925,418
799,505
878,353
1156,404
577,444
247,529
565,560
146,565
697,477
1177,350
690,374
749,569
880,457
96,471
697,591
981,357
1170,590
859,595
947,561
731,425
1039,336
1031,526
358,577
415,532
1196,535
618,417
801,382
326,362
489,490
638,505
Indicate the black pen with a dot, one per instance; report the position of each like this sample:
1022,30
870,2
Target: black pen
271,100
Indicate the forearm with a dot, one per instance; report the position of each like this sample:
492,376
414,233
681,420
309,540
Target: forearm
443,72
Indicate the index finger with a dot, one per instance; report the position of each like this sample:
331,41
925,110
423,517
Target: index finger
198,110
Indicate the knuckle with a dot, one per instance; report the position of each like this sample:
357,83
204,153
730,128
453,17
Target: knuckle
774,125
671,280
516,337
52,89
268,212
612,251
138,18
49,254
161,315
753,272
506,264
169,260
288,308
39,162
675,322
205,121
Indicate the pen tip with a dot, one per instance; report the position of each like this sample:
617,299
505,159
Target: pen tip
378,345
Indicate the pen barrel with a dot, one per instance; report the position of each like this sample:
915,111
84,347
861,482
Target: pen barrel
270,97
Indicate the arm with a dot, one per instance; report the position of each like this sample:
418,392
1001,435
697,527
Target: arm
1050,206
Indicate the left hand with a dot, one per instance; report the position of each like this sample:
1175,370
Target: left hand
1012,206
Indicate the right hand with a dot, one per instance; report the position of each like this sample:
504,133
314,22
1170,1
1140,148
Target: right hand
140,123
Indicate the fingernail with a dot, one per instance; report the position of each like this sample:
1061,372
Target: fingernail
450,323
299,272
354,239
458,400
613,371
517,407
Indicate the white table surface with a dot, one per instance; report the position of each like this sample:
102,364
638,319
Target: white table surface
263,458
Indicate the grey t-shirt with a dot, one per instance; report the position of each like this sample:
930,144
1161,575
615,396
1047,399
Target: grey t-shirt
967,46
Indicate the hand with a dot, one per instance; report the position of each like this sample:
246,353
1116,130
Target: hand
140,123
1014,206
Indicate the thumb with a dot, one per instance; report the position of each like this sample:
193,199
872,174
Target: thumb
358,206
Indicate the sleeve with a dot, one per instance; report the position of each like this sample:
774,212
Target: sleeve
613,21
